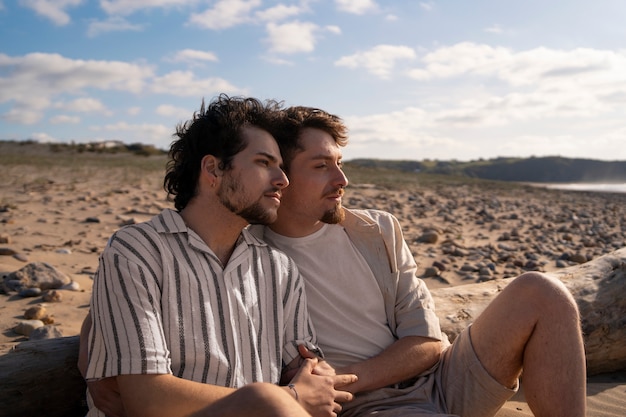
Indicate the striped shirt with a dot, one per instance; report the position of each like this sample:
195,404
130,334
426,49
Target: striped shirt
163,304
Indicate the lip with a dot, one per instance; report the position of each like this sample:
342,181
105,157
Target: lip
335,196
275,196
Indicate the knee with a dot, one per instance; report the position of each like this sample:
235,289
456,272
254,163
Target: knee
544,292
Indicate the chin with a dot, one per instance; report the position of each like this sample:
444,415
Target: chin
334,216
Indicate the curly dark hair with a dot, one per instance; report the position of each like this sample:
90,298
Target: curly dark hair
294,119
214,130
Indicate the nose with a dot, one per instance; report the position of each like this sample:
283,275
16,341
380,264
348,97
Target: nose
340,178
280,179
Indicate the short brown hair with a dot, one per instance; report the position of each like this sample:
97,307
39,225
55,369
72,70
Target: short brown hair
295,119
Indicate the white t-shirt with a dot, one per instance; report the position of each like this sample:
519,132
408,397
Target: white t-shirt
348,313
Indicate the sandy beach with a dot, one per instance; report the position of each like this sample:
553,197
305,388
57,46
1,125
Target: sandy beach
459,234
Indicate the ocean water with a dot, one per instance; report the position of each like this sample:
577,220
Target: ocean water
589,186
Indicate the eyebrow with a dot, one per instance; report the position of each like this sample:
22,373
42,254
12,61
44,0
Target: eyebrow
268,156
326,157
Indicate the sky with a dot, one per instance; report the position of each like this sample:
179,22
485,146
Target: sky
413,80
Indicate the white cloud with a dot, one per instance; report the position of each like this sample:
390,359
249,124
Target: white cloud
194,56
133,111
539,65
494,29
127,7
22,114
145,133
278,61
356,6
291,37
428,6
51,9
83,105
578,83
550,101
113,24
184,83
279,12
64,119
173,112
43,137
52,75
333,29
379,60
225,14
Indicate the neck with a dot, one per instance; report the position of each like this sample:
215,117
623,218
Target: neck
293,226
217,226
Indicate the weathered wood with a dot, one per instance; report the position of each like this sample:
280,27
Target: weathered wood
40,378
599,287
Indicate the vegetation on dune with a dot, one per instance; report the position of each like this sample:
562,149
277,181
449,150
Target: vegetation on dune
544,169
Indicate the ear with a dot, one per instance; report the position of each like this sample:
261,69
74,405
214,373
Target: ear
209,169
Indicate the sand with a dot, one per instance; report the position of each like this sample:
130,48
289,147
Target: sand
64,218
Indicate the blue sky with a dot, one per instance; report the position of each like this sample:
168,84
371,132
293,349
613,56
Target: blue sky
438,79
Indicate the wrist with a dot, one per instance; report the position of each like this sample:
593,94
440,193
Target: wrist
292,388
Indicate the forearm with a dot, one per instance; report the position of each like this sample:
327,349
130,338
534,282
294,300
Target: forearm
406,358
166,395
83,345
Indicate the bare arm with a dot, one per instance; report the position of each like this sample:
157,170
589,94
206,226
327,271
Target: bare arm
83,348
404,359
166,395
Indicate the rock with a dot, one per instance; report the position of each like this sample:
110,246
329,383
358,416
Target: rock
72,286
439,265
429,237
4,239
45,332
52,296
40,275
7,252
29,292
578,258
26,327
35,313
20,257
430,272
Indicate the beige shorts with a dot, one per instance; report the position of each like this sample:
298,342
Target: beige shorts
457,386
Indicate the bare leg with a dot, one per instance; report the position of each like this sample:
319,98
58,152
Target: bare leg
534,326
259,400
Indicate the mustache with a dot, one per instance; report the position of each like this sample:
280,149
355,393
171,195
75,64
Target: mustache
336,192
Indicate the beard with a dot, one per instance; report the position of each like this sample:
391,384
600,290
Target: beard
253,212
336,215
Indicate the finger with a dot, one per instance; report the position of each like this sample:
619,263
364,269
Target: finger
307,366
305,352
344,379
343,396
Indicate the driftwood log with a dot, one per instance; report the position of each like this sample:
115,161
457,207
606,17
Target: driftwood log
599,287
40,378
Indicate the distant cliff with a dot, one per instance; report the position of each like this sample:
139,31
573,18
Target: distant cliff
544,169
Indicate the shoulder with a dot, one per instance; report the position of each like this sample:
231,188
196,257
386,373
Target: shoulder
370,216
146,234
253,236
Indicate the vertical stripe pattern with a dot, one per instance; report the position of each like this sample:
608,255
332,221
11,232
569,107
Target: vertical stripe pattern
163,304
